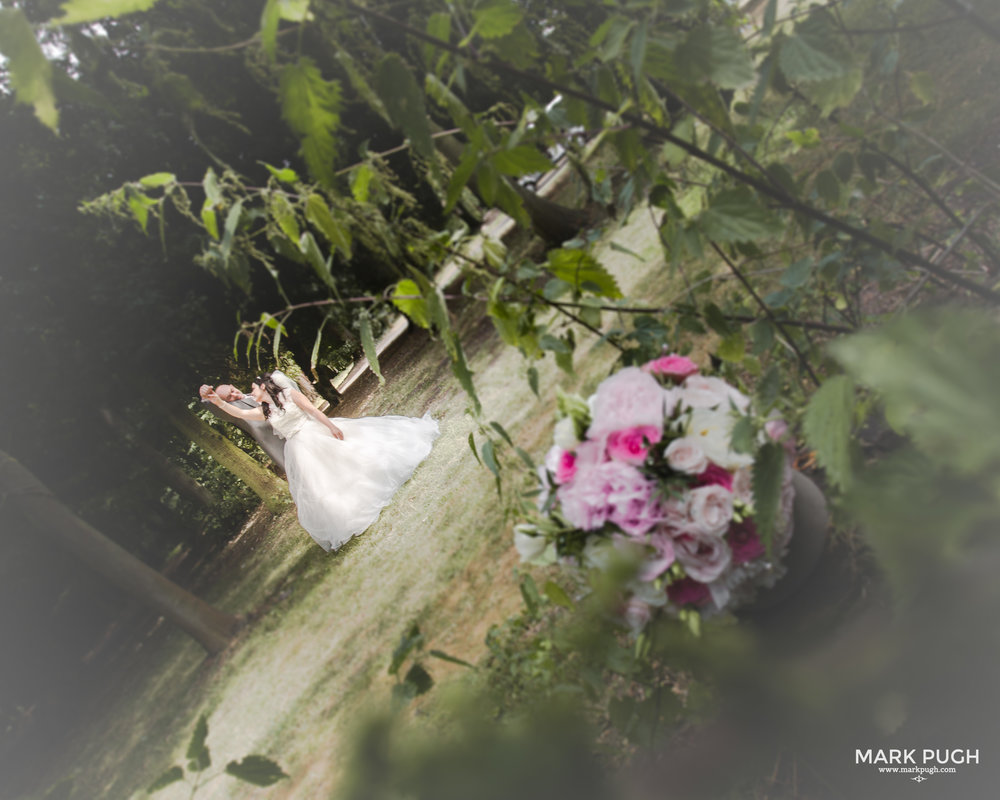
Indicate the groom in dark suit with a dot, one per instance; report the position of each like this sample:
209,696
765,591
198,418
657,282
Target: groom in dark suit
259,431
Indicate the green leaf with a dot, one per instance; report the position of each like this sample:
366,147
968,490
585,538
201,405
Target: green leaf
834,93
411,640
732,348
157,179
922,86
533,381
319,214
843,166
937,376
808,138
406,297
502,431
229,231
472,447
460,177
768,472
529,592
419,678
29,71
737,216
269,19
828,187
197,753
368,345
439,27
487,181
404,101
815,51
520,161
311,107
139,204
717,54
295,10
256,770
452,659
489,457
76,11
361,179
827,427
583,272
495,19
798,273
172,775
285,175
743,436
557,595
212,189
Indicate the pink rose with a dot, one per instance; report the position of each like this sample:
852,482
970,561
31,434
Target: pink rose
688,592
744,543
566,467
673,366
704,558
630,398
631,444
685,455
714,475
709,511
612,491
661,559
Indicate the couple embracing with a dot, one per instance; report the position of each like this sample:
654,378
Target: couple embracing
341,471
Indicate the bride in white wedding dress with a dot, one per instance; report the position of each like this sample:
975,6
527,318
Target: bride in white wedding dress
341,472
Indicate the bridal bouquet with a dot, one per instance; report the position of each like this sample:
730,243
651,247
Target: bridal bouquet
657,466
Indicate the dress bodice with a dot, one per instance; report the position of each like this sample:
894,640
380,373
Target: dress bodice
287,421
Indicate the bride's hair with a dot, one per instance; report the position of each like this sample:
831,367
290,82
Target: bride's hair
266,381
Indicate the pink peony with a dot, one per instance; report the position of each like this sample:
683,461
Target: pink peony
610,492
673,366
709,510
566,467
630,398
631,444
714,475
686,455
744,542
704,558
688,592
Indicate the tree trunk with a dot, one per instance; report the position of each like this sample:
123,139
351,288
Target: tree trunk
212,628
267,486
169,471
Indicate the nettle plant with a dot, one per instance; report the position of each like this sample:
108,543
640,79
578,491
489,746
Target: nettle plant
789,155
256,770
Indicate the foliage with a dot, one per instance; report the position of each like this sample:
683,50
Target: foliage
416,680
256,770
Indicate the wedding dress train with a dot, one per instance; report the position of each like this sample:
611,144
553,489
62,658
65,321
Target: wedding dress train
340,487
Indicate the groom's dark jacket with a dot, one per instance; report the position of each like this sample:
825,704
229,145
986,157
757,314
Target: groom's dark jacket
259,430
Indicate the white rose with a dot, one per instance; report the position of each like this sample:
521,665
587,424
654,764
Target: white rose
685,455
700,391
564,434
713,430
531,546
709,511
